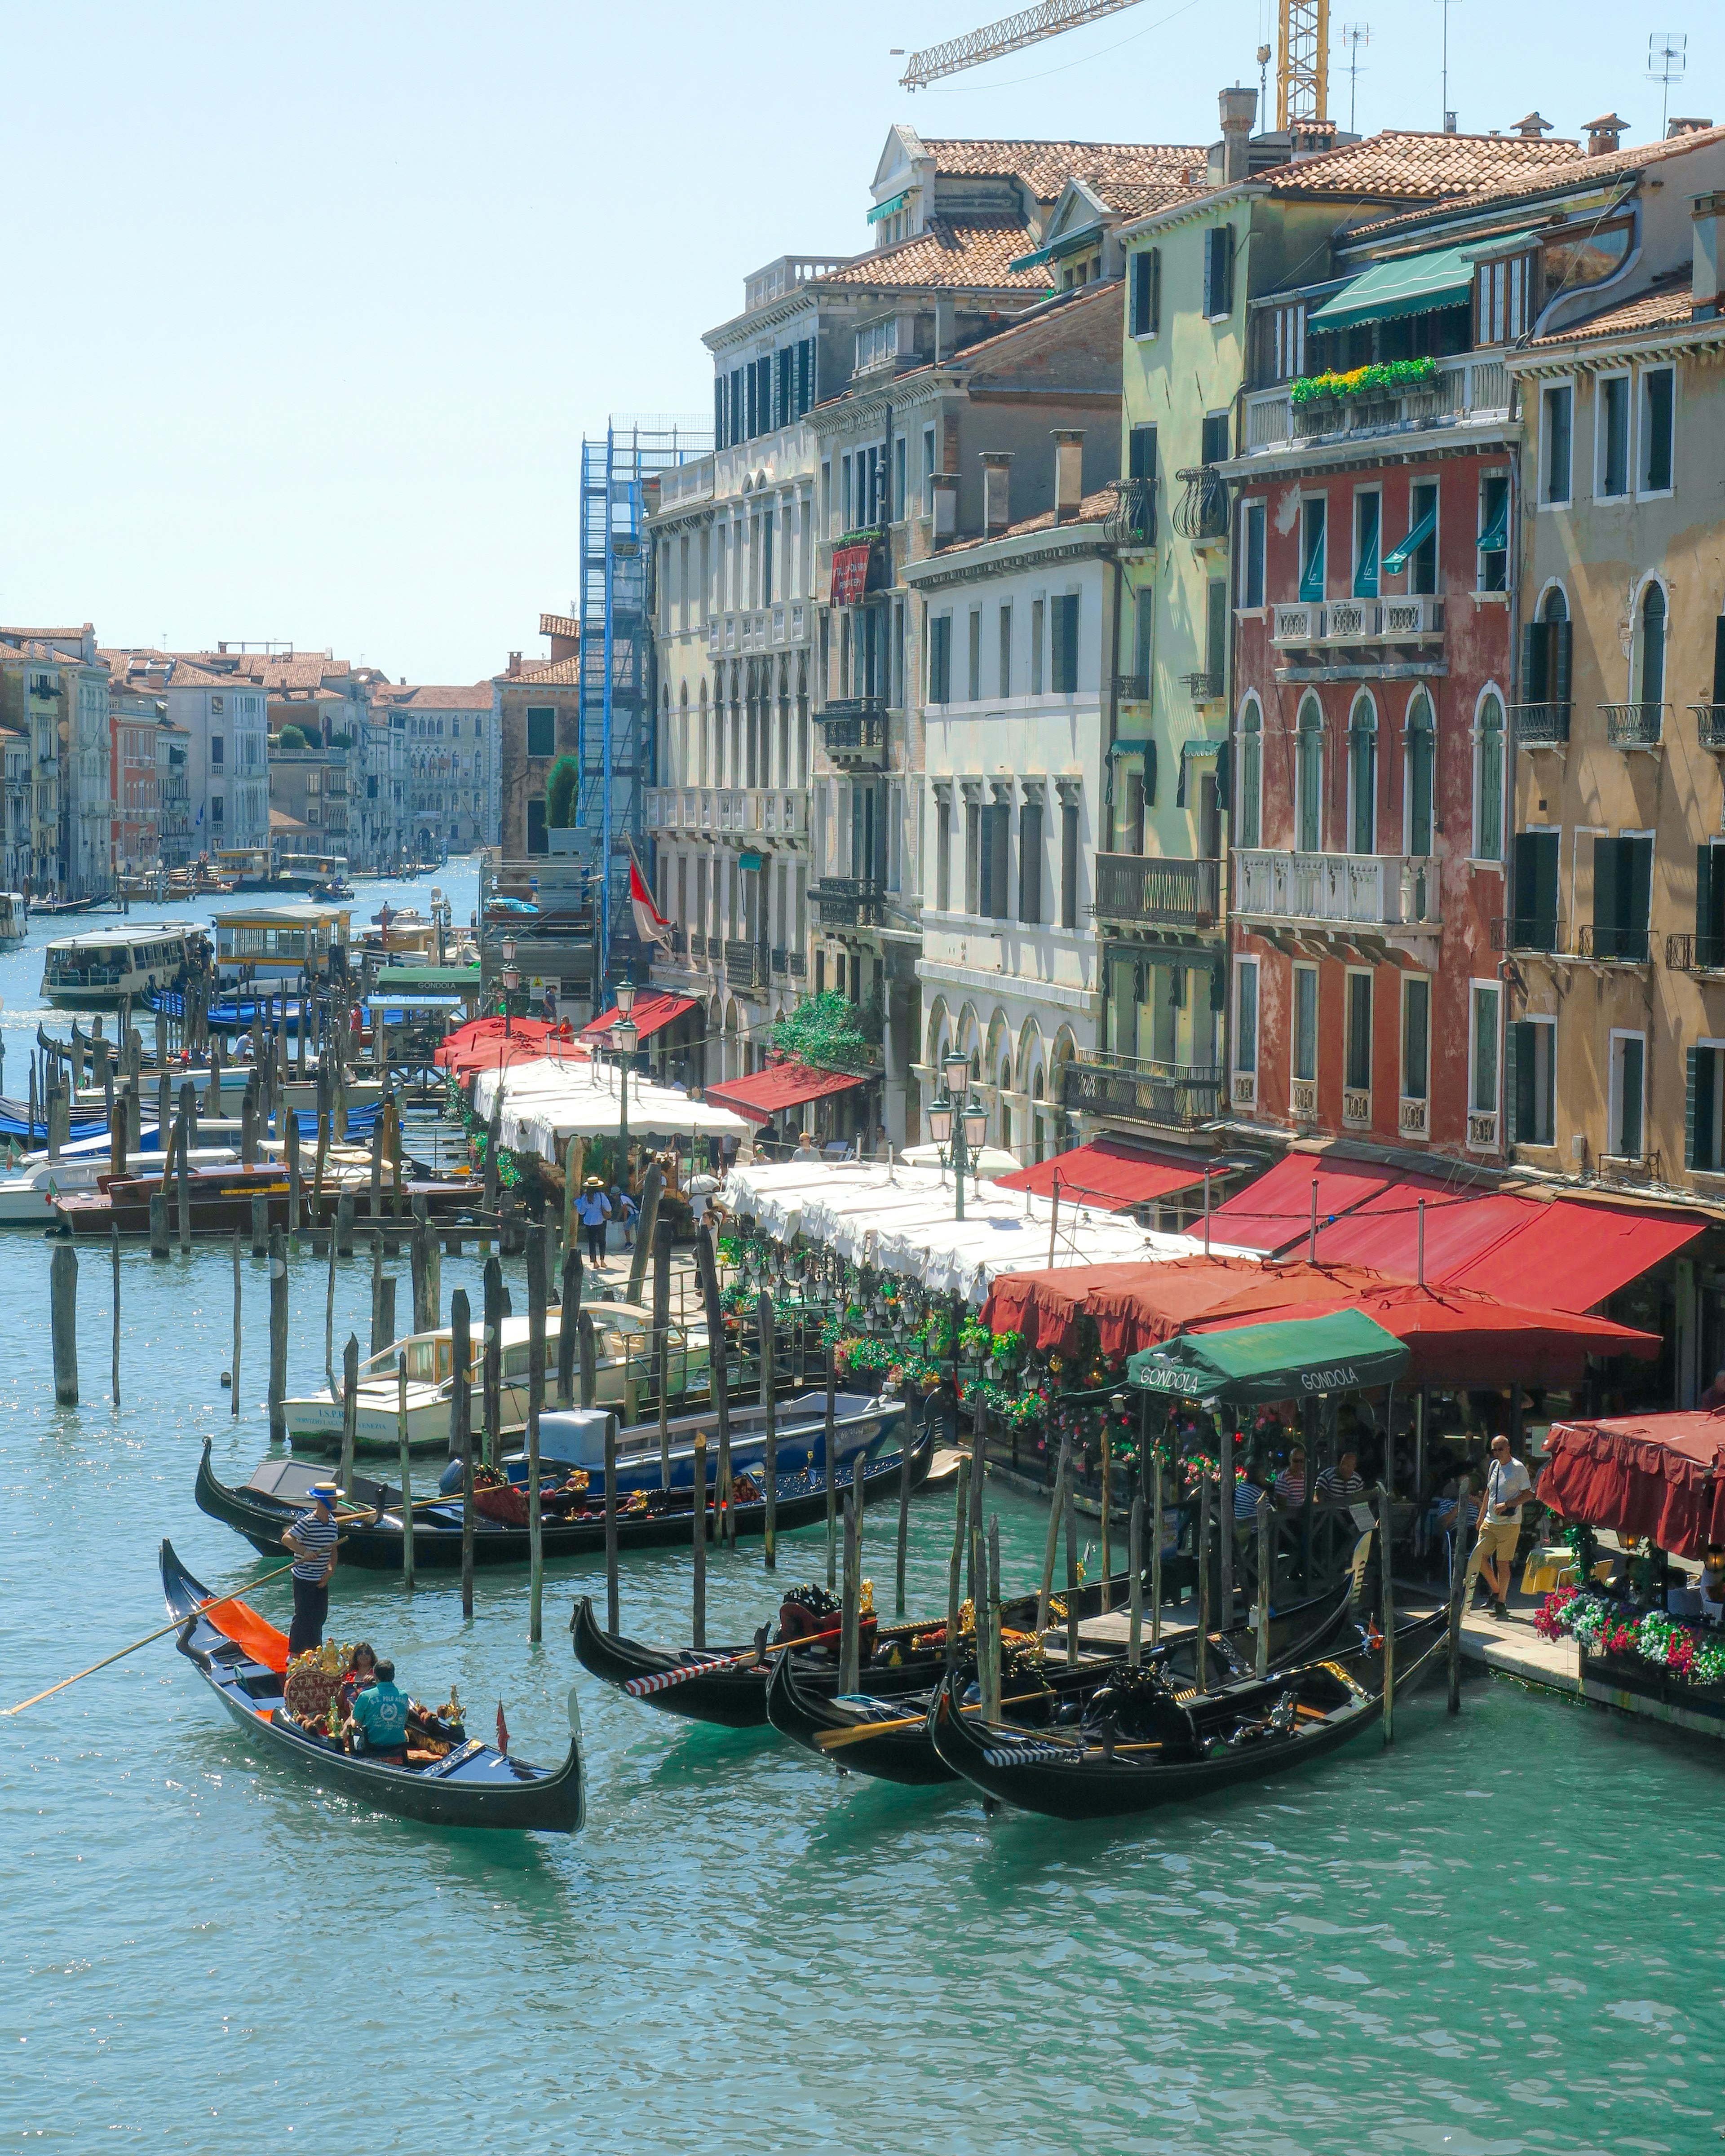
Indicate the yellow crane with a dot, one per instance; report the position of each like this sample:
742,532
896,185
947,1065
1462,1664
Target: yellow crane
1302,74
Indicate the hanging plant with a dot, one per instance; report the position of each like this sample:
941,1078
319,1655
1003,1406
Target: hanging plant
1391,377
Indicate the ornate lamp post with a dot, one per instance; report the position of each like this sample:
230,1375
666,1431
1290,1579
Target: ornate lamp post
511,982
957,1121
625,1036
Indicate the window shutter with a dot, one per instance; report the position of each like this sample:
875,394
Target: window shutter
1719,660
1532,653
1563,644
1511,1084
719,442
1638,885
1689,1107
1225,251
1210,271
1140,293
1218,988
1225,771
1155,289
1704,945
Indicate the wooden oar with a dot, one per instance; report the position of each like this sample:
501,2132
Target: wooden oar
161,1633
834,1740
662,1680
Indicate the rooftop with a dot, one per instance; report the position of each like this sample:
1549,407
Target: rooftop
1668,302
1556,167
959,254
474,696
559,624
1045,167
551,672
1413,165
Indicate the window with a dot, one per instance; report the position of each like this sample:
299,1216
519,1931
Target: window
1063,644
1251,554
1611,427
942,852
1419,549
1534,924
1068,863
974,669
1488,780
1623,884
1144,293
217,751
1288,341
1650,655
1557,408
1362,776
1006,650
1494,532
217,811
1503,293
929,471
1546,650
1416,1037
973,856
1030,862
1036,611
1357,1063
1367,519
1629,1074
939,658
1246,1014
542,730
1314,513
1305,1043
1309,775
1709,909
1143,634
1421,758
1218,272
1215,635
877,343
1248,813
1654,475
900,465
1482,1062
1703,1101
1213,442
993,835
1530,1081
1132,837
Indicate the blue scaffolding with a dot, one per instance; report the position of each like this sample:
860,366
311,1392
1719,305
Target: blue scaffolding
618,734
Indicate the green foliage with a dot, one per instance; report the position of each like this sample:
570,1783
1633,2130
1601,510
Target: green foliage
826,1031
342,740
1383,378
560,788
292,737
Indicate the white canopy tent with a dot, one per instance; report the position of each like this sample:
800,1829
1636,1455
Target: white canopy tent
545,1103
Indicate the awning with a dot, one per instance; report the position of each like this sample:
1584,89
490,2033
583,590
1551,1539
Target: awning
1134,1305
1660,1476
1576,1253
850,575
483,1045
1496,536
1275,1213
1410,284
1252,1364
1106,1174
1068,242
781,1086
887,208
384,1002
1396,560
653,1012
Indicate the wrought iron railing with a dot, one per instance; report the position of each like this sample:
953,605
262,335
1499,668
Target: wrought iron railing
1634,726
1131,522
1201,511
744,963
1132,688
1147,888
846,901
1701,951
854,729
1611,944
1540,726
1530,931
1709,725
1142,1090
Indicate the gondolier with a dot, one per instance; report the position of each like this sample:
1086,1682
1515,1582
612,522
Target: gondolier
312,1540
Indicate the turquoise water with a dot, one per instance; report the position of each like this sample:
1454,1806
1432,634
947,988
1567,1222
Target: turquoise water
1497,1936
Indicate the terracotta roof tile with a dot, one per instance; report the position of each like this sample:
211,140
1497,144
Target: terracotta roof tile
1095,509
475,696
1403,162
558,625
1045,167
960,254
551,672
1571,168
1668,301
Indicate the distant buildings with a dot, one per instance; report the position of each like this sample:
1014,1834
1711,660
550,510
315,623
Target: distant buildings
448,765
53,692
536,718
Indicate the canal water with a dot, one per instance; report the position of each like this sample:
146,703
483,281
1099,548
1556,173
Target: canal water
1500,1936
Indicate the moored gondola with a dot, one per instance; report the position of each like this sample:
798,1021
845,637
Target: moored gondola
244,1659
1142,1745
574,1527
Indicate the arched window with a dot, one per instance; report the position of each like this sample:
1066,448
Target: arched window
1650,678
1249,820
1556,607
1310,772
1421,746
1488,780
1362,777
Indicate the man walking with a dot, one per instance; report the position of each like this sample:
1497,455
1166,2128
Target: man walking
312,1540
1508,1486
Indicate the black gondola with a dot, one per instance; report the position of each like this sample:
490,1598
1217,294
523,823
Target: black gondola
1148,1746
475,1785
902,1750
666,1518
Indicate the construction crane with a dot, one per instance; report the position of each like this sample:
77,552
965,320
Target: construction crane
1301,77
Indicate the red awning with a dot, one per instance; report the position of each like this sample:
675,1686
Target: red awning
1275,1213
1660,1476
481,1045
1142,1303
781,1086
850,575
653,1012
1105,1174
1577,1253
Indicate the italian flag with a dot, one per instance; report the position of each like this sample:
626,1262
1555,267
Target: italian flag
650,924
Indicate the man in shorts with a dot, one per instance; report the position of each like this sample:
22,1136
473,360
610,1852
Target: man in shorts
1508,1486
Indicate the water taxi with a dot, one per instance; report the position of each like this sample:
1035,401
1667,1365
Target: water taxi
14,918
276,943
103,967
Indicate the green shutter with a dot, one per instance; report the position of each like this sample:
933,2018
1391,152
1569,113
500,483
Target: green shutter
1563,646
1512,1082
1533,672
1689,1107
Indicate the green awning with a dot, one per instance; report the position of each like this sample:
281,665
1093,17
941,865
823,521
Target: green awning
1297,1358
1496,536
886,209
1312,575
1411,285
1396,560
1068,242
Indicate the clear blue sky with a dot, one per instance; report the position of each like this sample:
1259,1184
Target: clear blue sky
309,307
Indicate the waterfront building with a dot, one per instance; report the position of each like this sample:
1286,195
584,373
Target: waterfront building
536,719
450,765
308,800
134,716
15,804
55,689
173,794
224,719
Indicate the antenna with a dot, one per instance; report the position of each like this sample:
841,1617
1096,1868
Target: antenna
1667,58
1448,122
1353,36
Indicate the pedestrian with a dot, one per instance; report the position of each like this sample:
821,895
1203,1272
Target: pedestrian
594,1210
1508,1486
631,1213
806,1147
549,1004
312,1540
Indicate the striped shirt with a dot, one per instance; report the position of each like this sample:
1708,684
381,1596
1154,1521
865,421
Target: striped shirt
1291,1488
1336,1488
318,1536
1245,1500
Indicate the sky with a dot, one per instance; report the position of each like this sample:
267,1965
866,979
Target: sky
311,307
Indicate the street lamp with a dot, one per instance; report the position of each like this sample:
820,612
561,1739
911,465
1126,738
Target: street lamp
623,1033
954,1116
511,982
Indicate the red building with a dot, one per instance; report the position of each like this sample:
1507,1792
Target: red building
1373,649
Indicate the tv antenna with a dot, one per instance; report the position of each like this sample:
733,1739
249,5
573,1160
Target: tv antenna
1667,58
1353,36
1448,121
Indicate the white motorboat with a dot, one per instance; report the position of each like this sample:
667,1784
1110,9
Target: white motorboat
14,918
28,1195
100,968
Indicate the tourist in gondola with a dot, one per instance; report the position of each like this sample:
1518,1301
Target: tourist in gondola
380,1717
361,1672
312,1540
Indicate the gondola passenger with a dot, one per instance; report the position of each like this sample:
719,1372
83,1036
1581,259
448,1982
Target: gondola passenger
312,1540
380,1717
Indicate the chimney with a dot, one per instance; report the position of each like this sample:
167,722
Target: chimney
945,488
1677,127
1069,472
1531,126
1707,211
515,662
997,485
1604,135
1240,108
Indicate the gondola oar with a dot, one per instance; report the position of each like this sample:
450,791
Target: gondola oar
662,1680
834,1740
161,1633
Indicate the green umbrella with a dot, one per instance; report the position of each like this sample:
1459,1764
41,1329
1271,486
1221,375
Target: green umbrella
1300,1357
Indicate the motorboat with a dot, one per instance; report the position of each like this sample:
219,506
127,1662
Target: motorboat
30,1193
104,968
14,918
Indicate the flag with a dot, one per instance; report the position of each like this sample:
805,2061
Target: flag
650,924
502,1732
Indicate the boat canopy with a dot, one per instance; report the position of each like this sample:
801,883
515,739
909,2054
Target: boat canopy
1250,1365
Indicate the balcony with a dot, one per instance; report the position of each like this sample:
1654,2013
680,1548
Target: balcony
1201,513
847,901
1388,897
853,732
757,812
1634,726
1132,688
1171,894
1340,628
1540,726
779,956
1709,725
1467,389
1700,953
744,963
797,965
1129,1089
1204,688
1533,932
1131,522
1609,943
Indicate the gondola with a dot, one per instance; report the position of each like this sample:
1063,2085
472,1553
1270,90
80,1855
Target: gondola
663,1519
243,1659
731,1688
902,1749
1142,1745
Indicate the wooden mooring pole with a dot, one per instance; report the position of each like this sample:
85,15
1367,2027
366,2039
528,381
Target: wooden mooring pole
1387,1618
697,1624
769,1400
536,1402
278,1336
233,1384
63,1317
404,1455
461,1432
114,1255
612,1620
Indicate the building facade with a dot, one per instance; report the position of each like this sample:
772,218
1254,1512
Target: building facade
450,765
133,718
308,801
535,707
54,690
173,794
227,742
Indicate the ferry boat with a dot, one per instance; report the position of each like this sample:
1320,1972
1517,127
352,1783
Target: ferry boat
14,918
103,967
274,943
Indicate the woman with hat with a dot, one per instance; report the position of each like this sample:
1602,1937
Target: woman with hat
594,1209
